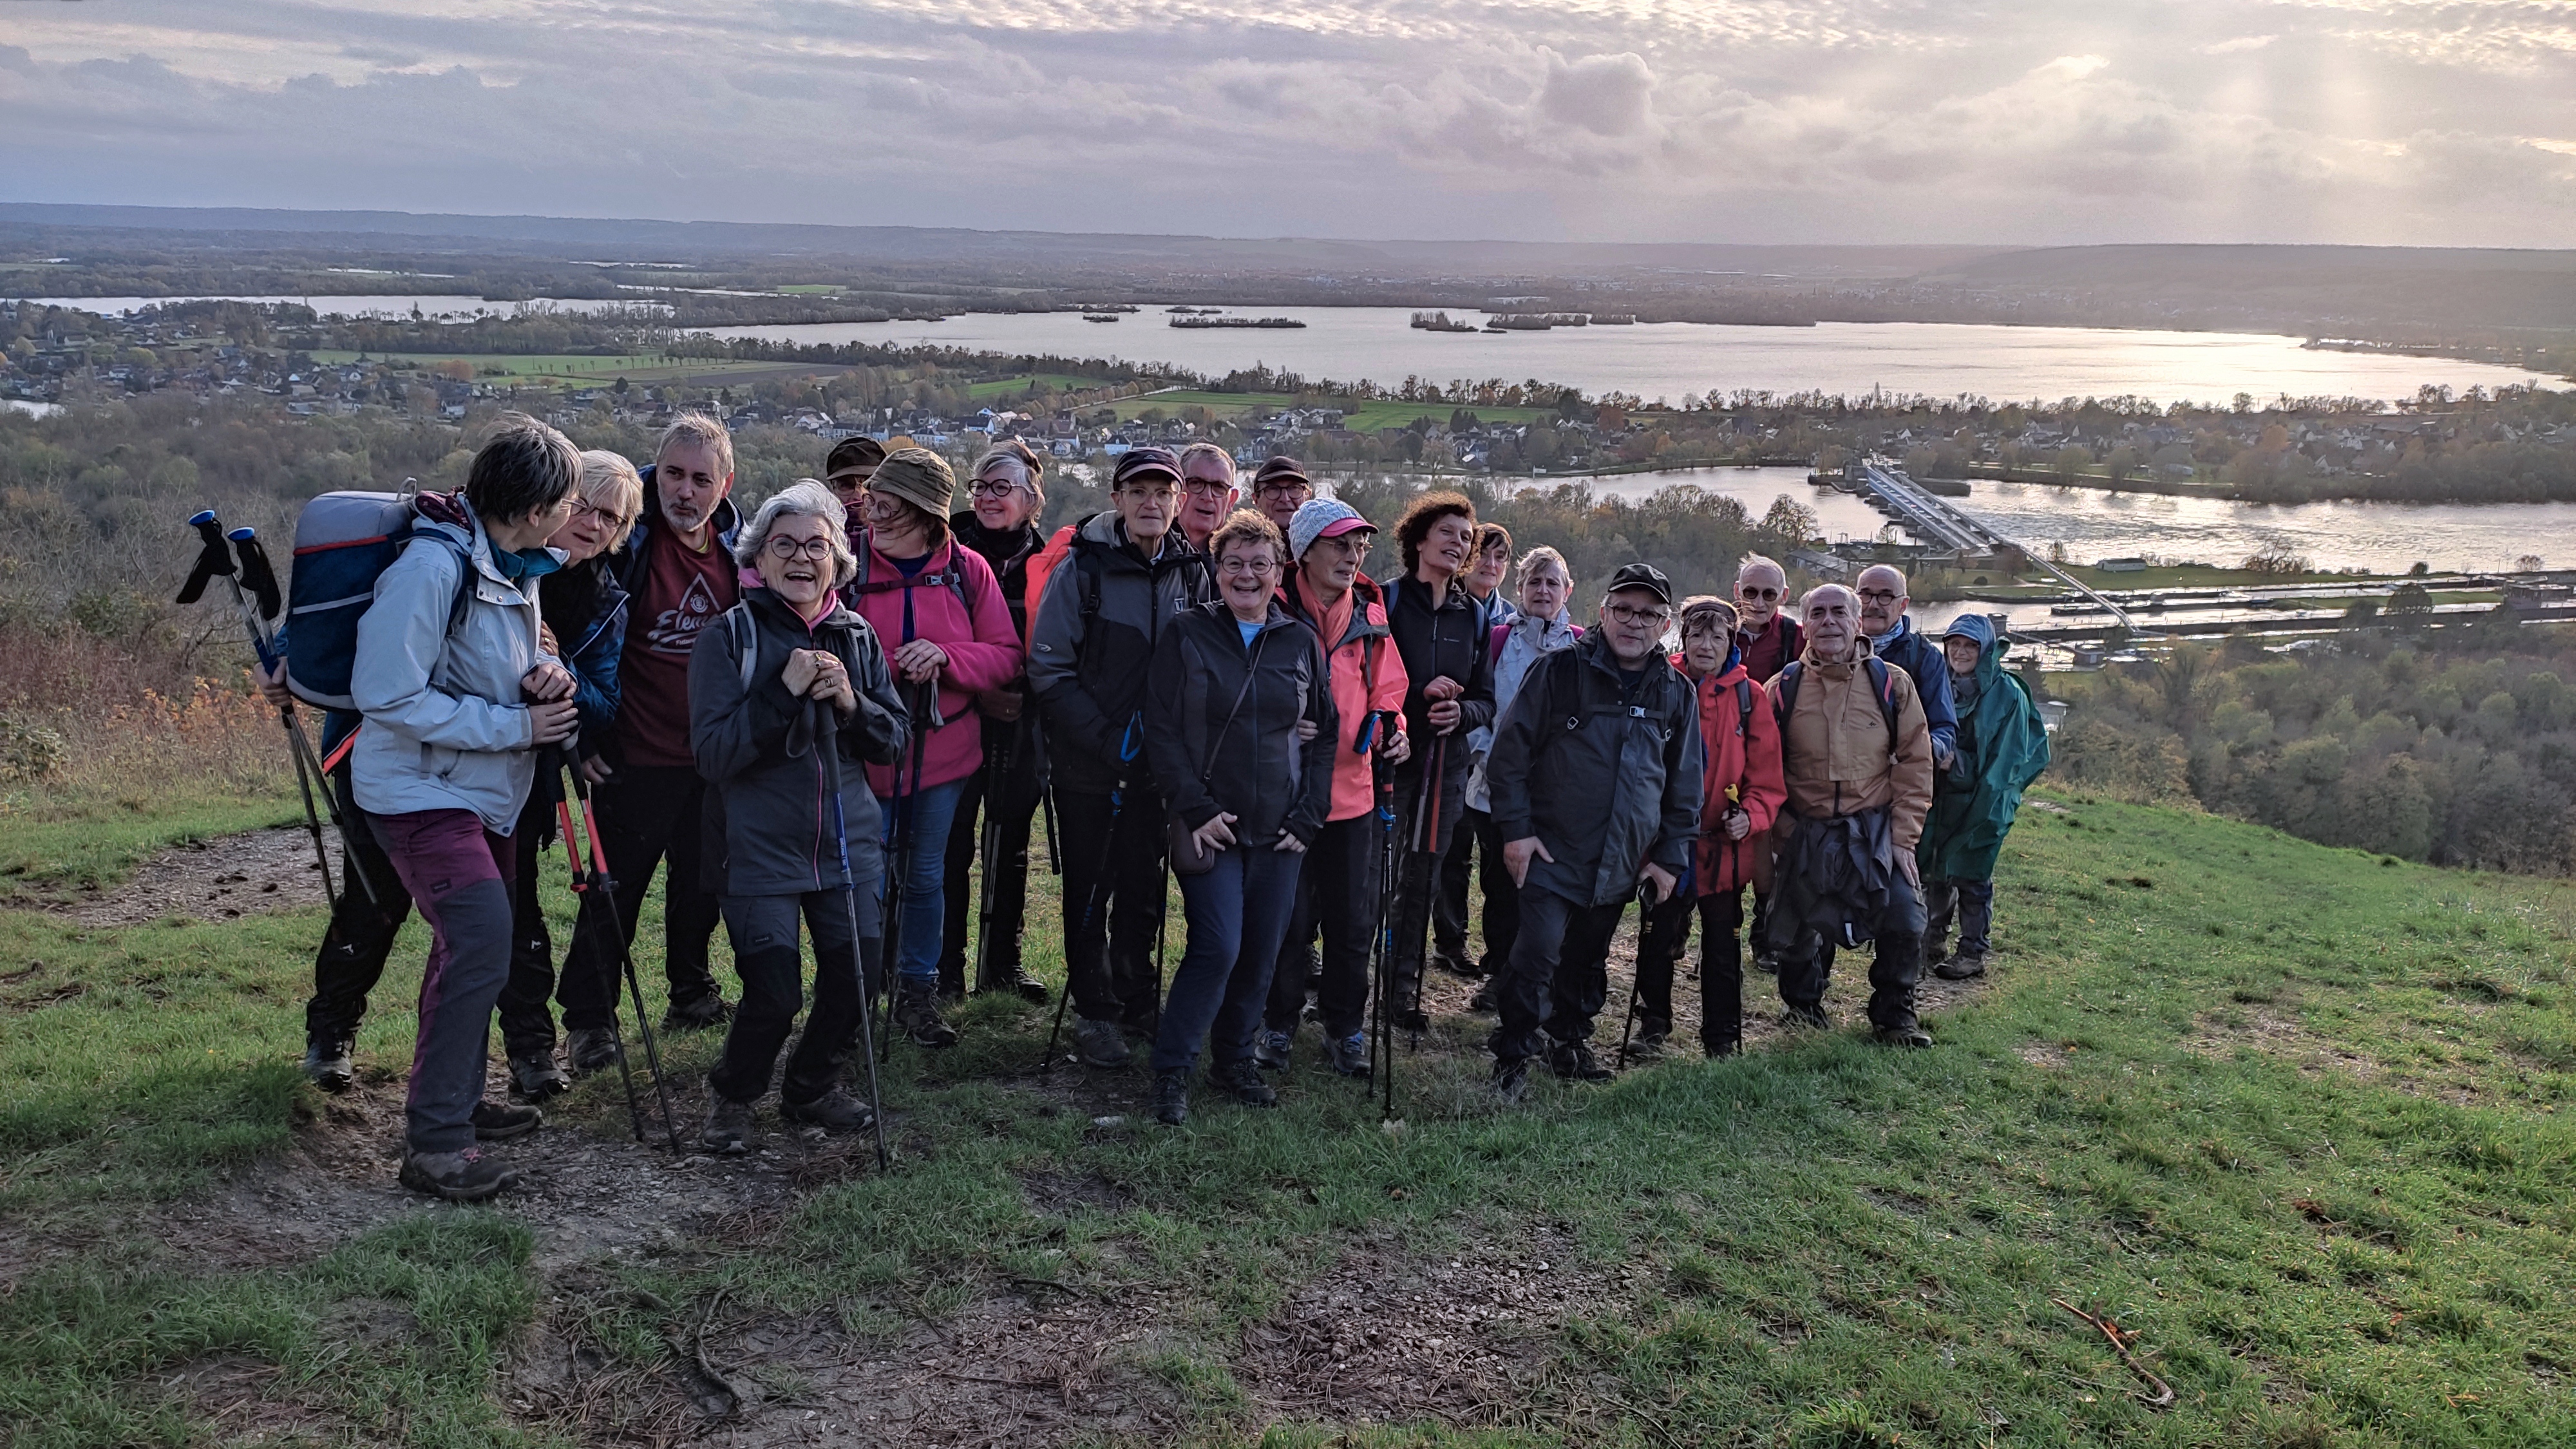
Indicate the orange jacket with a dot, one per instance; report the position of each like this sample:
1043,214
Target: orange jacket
1366,673
1738,753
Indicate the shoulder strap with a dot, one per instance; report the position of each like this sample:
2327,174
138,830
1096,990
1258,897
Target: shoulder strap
1784,695
1251,671
1884,678
746,642
1743,707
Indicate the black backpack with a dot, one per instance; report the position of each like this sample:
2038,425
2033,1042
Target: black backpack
1784,696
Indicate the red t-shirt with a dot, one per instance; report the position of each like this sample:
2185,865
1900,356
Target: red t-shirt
683,592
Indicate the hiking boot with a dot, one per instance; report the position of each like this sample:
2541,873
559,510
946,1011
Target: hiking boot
697,1013
1934,954
1455,965
1962,967
501,1121
835,1111
1243,1080
1172,1097
1723,1046
728,1128
1349,1055
1413,1019
1483,1000
1101,1043
1016,980
1511,1078
1574,1061
1270,1049
1909,1035
1806,1018
1652,1032
1767,962
466,1176
327,1065
592,1049
916,1014
534,1076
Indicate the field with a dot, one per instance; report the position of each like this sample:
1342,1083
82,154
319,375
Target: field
574,370
1358,416
2291,1118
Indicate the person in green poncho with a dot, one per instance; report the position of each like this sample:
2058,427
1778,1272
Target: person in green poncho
2003,746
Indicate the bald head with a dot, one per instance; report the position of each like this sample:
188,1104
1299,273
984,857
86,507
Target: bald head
1831,616
1761,588
1882,599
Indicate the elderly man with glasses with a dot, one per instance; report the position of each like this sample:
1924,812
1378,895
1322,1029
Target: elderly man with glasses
1595,779
1208,492
1280,488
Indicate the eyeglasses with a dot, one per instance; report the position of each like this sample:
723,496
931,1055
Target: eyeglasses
1277,487
1206,487
1150,492
994,488
1626,615
1248,563
584,508
1764,594
782,547
1880,596
851,482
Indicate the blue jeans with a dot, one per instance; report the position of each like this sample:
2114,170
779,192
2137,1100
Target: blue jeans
921,821
1238,914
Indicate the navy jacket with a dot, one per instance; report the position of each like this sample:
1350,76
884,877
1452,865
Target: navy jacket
1919,655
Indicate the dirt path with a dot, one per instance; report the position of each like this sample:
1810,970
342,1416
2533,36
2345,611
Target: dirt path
212,880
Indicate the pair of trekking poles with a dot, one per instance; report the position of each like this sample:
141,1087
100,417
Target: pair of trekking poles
1130,747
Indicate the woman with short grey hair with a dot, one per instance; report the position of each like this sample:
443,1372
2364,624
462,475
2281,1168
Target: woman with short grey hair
804,498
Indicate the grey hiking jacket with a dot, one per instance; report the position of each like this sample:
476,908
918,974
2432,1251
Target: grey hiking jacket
1088,670
763,764
1607,780
446,727
1211,757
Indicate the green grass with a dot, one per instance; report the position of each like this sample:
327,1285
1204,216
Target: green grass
1358,416
2294,1116
55,842
811,289
566,369
1019,383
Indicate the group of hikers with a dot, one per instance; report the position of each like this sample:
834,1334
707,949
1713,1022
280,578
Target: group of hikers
814,720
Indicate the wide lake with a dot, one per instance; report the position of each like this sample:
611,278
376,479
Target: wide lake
1675,360
2094,523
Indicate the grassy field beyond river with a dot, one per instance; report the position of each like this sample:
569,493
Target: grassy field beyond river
2290,1118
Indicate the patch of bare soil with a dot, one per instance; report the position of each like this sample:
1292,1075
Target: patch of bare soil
1387,1335
235,1400
212,880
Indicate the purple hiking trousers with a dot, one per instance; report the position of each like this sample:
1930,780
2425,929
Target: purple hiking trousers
458,874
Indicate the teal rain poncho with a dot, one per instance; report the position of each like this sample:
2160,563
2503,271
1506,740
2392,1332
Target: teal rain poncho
2003,746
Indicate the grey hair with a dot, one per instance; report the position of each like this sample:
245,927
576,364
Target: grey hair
1543,557
1761,561
1807,600
804,498
1208,450
699,428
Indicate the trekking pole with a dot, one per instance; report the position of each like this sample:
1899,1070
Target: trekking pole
1046,807
997,774
827,739
1426,841
551,764
1636,966
215,560
925,717
1382,777
1091,901
603,885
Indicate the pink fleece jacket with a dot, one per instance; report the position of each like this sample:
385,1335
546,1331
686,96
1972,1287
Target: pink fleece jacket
983,652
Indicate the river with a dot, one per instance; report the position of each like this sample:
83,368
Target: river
1675,360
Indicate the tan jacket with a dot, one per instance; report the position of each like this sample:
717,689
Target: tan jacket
1834,750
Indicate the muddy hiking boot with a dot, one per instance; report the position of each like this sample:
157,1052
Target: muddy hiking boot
1962,967
592,1049
916,1013
697,1013
1100,1043
836,1112
327,1064
1172,1097
1241,1080
501,1121
1909,1035
728,1128
534,1077
466,1176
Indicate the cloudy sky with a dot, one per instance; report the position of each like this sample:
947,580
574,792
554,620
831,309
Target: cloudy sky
2398,121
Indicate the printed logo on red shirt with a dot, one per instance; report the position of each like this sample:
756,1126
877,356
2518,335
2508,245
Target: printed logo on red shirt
674,631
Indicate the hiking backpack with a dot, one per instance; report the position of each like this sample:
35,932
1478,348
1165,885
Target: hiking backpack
1784,697
343,543
950,576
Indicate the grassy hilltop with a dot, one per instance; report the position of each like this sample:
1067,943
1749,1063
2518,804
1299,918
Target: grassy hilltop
2291,1118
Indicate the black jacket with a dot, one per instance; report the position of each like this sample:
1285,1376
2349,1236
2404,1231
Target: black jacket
1087,665
1256,767
1009,554
628,562
758,751
1453,642
1604,771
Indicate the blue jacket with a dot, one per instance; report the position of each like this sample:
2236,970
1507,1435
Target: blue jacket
593,658
1920,656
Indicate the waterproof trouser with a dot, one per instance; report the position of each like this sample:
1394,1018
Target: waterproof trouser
1721,964
1895,961
1237,911
920,821
647,814
1558,976
362,930
458,876
765,954
1973,902
589,997
1011,796
1502,914
1113,900
1336,892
